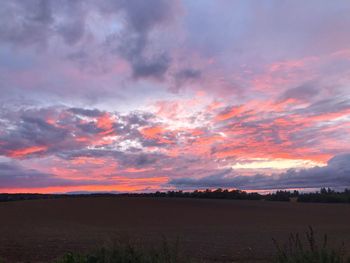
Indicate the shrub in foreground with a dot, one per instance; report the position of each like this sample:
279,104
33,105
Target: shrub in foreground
128,253
308,250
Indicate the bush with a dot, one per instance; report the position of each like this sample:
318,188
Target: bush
308,251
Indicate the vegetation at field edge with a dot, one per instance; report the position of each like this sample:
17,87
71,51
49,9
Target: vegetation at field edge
325,195
297,250
128,252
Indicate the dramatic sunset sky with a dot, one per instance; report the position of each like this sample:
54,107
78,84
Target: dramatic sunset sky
146,95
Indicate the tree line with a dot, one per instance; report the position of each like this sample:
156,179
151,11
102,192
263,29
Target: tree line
325,195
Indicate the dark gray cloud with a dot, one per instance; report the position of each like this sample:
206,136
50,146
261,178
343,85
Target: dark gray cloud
143,16
86,112
139,118
139,160
302,93
25,22
155,67
35,22
125,159
184,76
133,44
188,73
326,106
336,174
72,25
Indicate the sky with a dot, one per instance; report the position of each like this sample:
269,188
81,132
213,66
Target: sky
158,95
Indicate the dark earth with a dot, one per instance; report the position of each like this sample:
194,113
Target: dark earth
211,230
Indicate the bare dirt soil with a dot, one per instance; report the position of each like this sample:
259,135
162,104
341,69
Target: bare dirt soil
213,230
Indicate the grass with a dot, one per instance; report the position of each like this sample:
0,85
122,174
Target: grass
129,253
309,250
297,250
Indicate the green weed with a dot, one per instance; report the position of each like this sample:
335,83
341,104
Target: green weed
308,250
129,253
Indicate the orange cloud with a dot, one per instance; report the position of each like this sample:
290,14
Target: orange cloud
152,132
105,122
234,111
19,153
88,160
155,133
136,170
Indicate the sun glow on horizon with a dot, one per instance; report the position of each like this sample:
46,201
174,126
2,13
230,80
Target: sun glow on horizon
278,163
